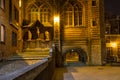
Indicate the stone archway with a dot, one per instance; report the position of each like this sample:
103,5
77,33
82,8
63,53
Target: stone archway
75,56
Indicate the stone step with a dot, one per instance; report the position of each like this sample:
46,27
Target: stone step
29,57
36,50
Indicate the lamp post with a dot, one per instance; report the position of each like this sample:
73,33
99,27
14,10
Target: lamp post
114,48
113,44
57,31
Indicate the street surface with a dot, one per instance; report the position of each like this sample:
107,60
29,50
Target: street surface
88,73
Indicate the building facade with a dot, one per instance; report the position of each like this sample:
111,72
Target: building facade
9,27
75,26
112,37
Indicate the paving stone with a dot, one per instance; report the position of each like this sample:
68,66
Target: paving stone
90,73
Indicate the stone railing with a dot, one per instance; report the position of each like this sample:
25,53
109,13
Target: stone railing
41,70
35,44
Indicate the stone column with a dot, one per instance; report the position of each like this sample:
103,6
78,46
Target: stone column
29,35
38,32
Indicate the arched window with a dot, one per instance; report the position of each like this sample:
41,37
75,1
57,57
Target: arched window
72,15
44,14
68,15
2,33
77,15
33,13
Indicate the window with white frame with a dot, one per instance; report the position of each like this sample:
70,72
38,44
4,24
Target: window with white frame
72,15
2,4
68,15
2,33
94,22
16,14
77,15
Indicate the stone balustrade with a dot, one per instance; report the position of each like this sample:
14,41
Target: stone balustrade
36,44
41,70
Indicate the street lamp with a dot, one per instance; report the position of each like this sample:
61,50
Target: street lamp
56,27
57,30
56,19
113,44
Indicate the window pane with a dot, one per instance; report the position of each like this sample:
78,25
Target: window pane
14,39
77,15
16,14
2,33
80,18
93,3
2,4
76,18
66,18
70,19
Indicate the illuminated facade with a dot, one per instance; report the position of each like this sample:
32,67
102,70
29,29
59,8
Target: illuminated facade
80,27
112,37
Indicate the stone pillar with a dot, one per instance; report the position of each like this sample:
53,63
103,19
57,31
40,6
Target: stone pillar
38,32
47,35
29,35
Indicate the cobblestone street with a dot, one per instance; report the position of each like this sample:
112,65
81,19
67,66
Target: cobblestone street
88,73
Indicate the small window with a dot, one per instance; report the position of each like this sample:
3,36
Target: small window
14,39
94,3
16,14
2,33
20,3
2,4
94,23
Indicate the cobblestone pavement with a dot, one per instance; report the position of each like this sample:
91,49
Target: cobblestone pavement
88,73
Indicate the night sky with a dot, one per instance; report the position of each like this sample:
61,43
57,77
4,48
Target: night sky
112,6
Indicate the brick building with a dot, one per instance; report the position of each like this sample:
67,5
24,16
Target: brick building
112,36
75,26
9,27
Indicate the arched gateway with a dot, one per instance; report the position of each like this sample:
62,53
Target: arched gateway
75,56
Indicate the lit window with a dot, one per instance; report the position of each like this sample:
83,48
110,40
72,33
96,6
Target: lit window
73,15
44,14
2,33
2,4
20,3
77,15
